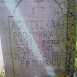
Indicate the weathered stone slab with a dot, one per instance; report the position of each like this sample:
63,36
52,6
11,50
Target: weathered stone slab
33,36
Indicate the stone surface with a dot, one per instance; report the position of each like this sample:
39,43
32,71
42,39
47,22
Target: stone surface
33,34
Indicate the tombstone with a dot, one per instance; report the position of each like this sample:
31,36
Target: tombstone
33,34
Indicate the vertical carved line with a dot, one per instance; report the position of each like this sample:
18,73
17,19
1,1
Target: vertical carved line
11,45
